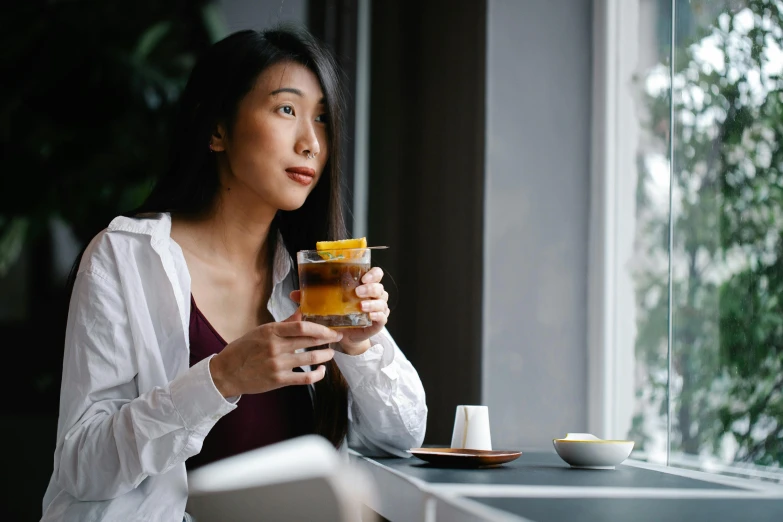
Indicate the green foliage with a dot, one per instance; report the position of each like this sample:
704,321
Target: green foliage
727,345
85,109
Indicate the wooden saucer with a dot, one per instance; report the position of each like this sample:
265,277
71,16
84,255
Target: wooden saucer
464,458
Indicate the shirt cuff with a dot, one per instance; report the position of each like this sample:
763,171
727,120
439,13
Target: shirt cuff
377,360
196,397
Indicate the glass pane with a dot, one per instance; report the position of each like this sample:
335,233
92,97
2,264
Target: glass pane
727,276
642,310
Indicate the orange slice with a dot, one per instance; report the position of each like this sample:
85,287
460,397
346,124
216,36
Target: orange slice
332,249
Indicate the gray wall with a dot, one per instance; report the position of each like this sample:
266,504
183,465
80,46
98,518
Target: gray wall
534,372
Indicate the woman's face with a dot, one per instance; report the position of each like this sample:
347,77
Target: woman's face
278,147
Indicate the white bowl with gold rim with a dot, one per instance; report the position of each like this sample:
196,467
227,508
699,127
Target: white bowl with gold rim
585,450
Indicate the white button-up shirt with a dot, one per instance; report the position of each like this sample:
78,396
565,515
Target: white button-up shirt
132,410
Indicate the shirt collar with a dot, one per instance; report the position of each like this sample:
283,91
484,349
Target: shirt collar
282,261
158,227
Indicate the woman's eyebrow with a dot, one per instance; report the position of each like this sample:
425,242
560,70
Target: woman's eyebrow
292,90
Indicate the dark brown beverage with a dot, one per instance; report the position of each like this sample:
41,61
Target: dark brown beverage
329,292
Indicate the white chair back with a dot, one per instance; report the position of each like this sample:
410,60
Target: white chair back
301,479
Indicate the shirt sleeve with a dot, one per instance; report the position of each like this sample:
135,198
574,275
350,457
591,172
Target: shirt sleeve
387,408
110,437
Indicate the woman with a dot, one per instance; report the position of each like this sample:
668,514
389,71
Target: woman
184,343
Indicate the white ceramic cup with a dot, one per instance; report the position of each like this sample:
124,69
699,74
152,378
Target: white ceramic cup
471,428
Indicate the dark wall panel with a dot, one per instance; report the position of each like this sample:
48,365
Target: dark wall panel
426,190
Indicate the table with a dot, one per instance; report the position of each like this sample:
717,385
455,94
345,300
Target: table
540,487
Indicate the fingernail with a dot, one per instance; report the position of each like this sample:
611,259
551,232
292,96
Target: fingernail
361,291
366,306
338,337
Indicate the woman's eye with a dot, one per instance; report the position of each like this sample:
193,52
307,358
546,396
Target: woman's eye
287,109
323,118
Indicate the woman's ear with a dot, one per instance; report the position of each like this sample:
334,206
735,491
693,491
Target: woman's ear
217,140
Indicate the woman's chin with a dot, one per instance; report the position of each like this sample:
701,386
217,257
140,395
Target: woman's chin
288,205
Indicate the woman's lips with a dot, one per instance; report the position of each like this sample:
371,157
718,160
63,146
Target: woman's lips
302,175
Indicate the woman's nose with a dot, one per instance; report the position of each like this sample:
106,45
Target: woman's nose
307,143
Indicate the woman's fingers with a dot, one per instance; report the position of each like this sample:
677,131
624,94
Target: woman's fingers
309,358
296,296
374,305
373,275
379,317
309,332
292,344
301,378
296,316
371,290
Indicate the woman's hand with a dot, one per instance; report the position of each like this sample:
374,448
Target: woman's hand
355,341
264,358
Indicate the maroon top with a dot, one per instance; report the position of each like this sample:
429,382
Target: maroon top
259,419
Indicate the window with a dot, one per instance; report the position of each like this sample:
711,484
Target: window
689,347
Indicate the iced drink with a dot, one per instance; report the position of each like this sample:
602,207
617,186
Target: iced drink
328,282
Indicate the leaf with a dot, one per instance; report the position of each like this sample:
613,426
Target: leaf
214,21
11,241
150,39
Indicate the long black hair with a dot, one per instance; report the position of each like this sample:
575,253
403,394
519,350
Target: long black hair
219,81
